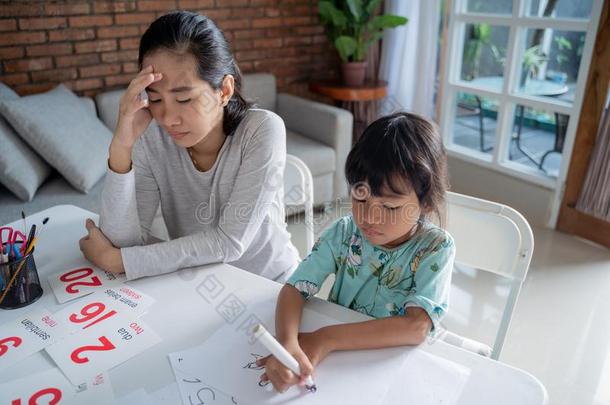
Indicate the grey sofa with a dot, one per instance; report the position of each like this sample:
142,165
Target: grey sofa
55,191
318,134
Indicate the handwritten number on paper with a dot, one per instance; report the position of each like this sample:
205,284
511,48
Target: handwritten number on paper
199,393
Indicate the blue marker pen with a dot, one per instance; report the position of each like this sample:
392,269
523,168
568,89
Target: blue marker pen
16,252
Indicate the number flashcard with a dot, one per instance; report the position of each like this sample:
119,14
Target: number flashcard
52,387
104,305
28,334
99,348
82,281
97,391
48,387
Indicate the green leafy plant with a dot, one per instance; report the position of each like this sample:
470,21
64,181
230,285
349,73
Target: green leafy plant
533,58
479,37
352,26
563,45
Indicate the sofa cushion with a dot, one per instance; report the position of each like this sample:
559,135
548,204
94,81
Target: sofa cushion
58,126
108,107
318,157
22,171
260,89
55,191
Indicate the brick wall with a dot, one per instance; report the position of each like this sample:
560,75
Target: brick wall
92,46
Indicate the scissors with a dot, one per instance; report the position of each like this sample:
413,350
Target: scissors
13,236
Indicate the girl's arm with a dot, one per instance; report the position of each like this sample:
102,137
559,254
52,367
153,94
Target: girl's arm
409,329
287,320
312,348
288,315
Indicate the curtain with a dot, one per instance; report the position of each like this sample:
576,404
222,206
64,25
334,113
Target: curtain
409,56
594,198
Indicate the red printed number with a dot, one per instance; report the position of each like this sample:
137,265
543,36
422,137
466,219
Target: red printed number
91,311
54,392
77,275
3,343
106,345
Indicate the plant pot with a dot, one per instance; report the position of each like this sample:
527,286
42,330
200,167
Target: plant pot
353,73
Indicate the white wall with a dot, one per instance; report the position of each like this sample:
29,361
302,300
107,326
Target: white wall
532,201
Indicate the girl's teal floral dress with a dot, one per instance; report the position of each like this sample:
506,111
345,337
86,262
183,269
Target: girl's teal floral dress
377,281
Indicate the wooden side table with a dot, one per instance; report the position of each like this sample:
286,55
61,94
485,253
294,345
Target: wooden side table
363,101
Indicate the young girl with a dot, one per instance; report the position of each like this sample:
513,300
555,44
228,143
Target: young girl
390,261
186,140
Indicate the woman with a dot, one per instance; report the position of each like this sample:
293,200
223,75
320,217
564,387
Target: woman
187,140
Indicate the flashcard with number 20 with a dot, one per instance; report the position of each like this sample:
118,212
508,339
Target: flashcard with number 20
82,281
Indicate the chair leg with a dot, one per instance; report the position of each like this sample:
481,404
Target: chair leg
482,127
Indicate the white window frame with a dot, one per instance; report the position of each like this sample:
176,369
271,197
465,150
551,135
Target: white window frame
518,23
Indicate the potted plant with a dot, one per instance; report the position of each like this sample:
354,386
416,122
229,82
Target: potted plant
478,38
533,58
352,26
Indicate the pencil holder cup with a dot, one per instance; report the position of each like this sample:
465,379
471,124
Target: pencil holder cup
19,282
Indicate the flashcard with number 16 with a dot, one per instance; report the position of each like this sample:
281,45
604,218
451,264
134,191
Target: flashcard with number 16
104,305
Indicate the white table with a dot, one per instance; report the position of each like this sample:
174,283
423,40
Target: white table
184,318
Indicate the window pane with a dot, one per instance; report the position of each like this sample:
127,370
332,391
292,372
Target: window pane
538,138
475,122
550,63
484,55
560,8
490,6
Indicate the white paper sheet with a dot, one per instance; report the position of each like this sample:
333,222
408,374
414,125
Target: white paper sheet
80,281
168,395
226,361
139,397
427,380
194,390
29,334
84,354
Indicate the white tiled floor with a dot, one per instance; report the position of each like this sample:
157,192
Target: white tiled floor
560,330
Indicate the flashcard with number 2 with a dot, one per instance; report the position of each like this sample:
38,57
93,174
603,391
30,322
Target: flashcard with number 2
99,348
82,281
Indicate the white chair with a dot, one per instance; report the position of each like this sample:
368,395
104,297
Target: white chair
494,238
298,192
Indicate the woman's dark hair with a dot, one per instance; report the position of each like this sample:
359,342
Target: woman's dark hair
397,150
188,32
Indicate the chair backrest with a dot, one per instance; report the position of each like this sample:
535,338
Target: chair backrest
491,237
260,88
298,191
